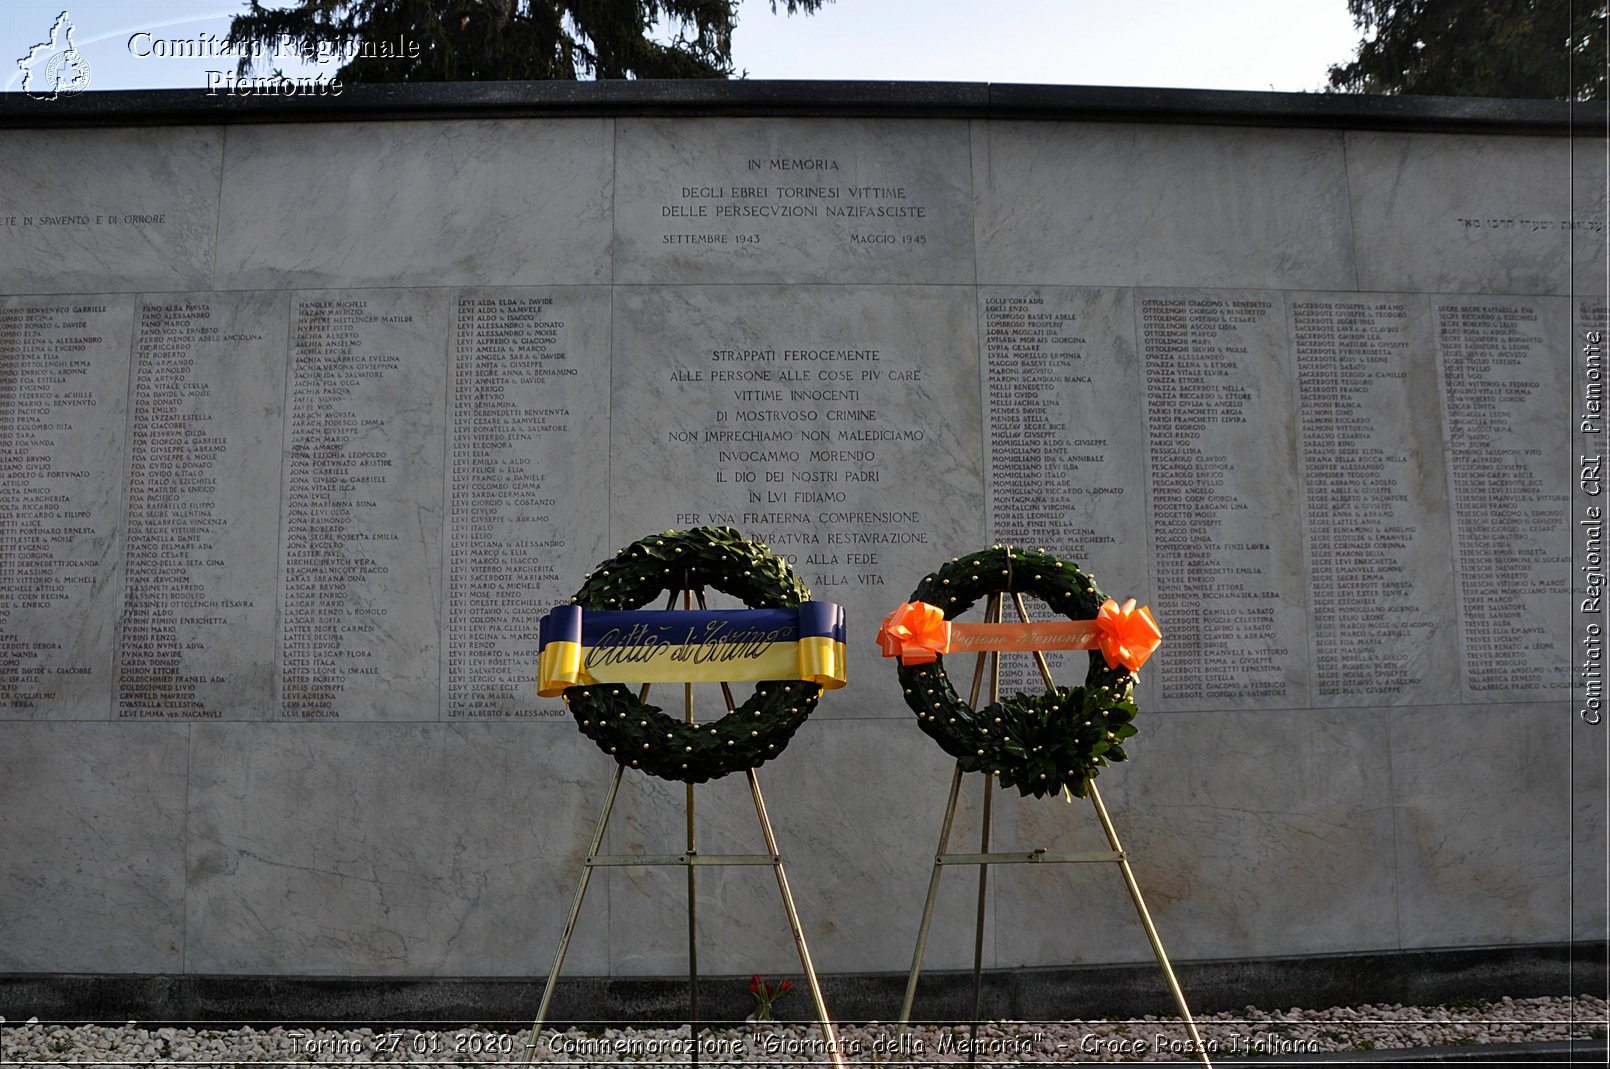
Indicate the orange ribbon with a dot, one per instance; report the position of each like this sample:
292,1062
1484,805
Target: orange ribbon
1127,635
917,632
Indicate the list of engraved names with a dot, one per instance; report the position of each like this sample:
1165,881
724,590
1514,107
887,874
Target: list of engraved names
336,474
1217,591
514,378
1511,552
1048,472
63,372
1370,613
174,522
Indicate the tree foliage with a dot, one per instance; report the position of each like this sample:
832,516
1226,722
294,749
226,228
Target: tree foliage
1542,49
474,40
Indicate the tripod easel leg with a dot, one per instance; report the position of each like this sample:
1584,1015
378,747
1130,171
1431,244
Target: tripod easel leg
829,1034
693,878
993,613
575,913
928,904
1146,921
794,927
1129,874
691,860
978,931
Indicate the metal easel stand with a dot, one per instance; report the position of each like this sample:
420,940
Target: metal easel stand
984,858
692,860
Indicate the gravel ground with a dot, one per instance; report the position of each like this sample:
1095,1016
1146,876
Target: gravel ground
1250,1033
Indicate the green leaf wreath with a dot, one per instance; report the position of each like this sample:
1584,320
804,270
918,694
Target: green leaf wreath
639,735
1039,744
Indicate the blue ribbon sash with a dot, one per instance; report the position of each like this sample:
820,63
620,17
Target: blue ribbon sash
580,647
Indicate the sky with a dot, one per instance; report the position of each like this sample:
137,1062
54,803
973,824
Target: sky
1282,45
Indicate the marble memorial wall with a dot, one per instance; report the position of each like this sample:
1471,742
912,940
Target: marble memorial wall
293,463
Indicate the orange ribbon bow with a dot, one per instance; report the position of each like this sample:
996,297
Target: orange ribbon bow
1127,635
916,632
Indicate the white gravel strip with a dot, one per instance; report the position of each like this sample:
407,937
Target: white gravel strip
1247,1034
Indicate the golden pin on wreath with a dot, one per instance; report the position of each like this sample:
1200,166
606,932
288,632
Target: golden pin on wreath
1040,744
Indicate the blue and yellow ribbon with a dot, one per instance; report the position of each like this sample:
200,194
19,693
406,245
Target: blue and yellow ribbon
580,647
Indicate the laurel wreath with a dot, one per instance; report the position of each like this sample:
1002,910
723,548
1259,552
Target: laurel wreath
639,735
1039,744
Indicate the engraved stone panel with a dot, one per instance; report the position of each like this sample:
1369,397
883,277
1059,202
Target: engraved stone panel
304,436
196,631
741,921
64,374
1590,912
1100,204
1221,474
360,536
1457,213
840,426
1236,824
93,870
889,766
1375,502
1458,775
108,211
527,484
772,200
1066,468
447,203
388,849
1501,398
1589,218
